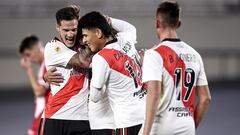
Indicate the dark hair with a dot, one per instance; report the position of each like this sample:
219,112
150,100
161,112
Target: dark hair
169,11
68,13
95,20
27,43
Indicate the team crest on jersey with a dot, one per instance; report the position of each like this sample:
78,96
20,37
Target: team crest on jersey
127,47
57,49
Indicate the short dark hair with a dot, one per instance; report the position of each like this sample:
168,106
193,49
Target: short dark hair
95,20
27,43
68,13
170,12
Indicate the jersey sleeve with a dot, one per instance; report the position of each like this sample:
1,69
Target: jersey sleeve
202,79
57,54
125,29
100,71
152,67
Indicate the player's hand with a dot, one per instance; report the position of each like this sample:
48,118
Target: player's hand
141,53
53,78
25,63
107,18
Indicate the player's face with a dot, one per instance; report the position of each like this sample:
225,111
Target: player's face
68,31
92,38
34,54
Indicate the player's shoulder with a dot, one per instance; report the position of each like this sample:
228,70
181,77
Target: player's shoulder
54,45
97,59
108,55
192,50
151,53
106,52
154,49
54,42
124,39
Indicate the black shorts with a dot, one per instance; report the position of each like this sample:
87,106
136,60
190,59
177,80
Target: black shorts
133,130
64,127
103,132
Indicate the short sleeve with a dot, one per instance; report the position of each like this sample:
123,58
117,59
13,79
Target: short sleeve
152,66
202,79
100,71
57,54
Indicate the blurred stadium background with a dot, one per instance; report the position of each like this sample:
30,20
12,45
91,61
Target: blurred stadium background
210,26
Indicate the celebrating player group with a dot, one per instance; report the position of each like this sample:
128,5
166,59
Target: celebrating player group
101,85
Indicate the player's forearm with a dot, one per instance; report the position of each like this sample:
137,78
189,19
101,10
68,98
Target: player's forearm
79,61
151,106
95,94
201,109
150,113
82,59
38,89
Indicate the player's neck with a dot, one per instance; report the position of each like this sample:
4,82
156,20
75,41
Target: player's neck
108,39
168,33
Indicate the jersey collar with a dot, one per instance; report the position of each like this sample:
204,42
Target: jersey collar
172,39
111,41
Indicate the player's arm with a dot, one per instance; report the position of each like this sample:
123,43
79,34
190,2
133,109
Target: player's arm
100,73
95,94
52,77
152,64
153,93
204,98
203,95
56,54
141,54
123,26
82,59
38,89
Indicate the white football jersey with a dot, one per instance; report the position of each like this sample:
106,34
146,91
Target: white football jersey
118,67
69,100
100,114
180,68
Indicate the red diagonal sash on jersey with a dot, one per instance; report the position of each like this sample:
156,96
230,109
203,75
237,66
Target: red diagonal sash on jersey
171,61
117,60
56,102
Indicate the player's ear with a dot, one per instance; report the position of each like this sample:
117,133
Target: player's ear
157,23
99,33
179,23
57,27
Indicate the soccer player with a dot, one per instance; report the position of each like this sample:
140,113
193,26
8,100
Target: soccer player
66,112
116,66
174,73
31,50
100,114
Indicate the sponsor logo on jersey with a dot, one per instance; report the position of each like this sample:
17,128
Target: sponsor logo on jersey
181,111
127,47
